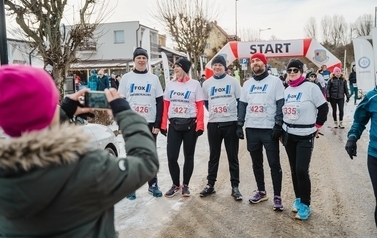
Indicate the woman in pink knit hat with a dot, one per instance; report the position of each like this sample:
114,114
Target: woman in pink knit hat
336,91
52,183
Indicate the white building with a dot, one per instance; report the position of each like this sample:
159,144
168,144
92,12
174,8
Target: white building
19,52
113,45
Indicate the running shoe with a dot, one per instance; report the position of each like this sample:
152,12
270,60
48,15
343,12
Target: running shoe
155,191
172,191
259,196
208,190
185,191
236,194
296,205
278,205
304,212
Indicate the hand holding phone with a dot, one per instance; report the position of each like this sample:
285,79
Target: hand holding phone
96,100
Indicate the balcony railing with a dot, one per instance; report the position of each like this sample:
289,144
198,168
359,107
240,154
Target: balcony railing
88,46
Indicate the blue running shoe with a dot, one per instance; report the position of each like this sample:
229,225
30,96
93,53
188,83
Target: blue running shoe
304,212
132,196
155,191
296,205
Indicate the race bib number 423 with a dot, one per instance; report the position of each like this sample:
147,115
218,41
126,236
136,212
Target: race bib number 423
257,110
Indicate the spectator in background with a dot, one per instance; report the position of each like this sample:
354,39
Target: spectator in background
313,79
77,82
336,90
353,83
93,79
202,79
321,80
114,83
161,77
103,81
325,73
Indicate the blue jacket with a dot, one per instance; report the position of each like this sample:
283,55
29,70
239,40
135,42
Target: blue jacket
92,84
103,83
366,110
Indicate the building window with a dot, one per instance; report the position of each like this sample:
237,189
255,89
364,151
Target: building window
208,46
118,37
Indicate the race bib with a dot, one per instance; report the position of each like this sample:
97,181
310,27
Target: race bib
354,85
180,110
142,109
257,110
291,111
220,110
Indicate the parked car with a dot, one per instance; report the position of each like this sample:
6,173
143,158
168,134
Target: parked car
102,137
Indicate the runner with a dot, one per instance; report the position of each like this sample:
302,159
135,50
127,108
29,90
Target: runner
304,112
261,103
221,95
143,91
183,106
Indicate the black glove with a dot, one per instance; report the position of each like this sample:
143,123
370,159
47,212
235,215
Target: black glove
69,106
276,132
239,133
163,132
351,147
348,99
118,105
199,133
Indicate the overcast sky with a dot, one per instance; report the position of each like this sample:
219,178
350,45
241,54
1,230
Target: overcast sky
286,18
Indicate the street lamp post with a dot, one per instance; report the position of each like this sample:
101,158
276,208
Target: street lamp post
235,7
3,36
260,30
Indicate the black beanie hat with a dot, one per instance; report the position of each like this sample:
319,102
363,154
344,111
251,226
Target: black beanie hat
219,60
296,64
184,63
140,51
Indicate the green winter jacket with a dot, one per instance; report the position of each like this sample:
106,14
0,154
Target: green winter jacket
53,185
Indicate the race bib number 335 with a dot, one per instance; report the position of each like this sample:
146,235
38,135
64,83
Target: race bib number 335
291,111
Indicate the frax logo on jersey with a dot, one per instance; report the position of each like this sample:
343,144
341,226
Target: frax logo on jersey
258,89
293,98
184,95
138,88
215,90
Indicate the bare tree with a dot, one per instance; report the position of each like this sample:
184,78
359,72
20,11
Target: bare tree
326,26
362,25
40,21
310,28
189,24
338,31
249,34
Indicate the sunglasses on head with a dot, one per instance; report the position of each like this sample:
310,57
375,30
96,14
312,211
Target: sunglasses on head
295,70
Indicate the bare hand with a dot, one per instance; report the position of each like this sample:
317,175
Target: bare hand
155,130
112,94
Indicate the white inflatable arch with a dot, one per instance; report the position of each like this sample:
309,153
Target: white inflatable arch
308,48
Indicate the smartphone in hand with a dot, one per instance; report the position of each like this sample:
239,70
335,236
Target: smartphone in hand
96,100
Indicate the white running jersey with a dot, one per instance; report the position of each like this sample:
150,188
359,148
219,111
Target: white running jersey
221,95
183,98
141,91
300,107
261,97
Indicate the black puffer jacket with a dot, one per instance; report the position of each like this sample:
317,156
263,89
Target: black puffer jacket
337,88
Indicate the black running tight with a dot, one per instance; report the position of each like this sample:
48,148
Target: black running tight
372,169
175,139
